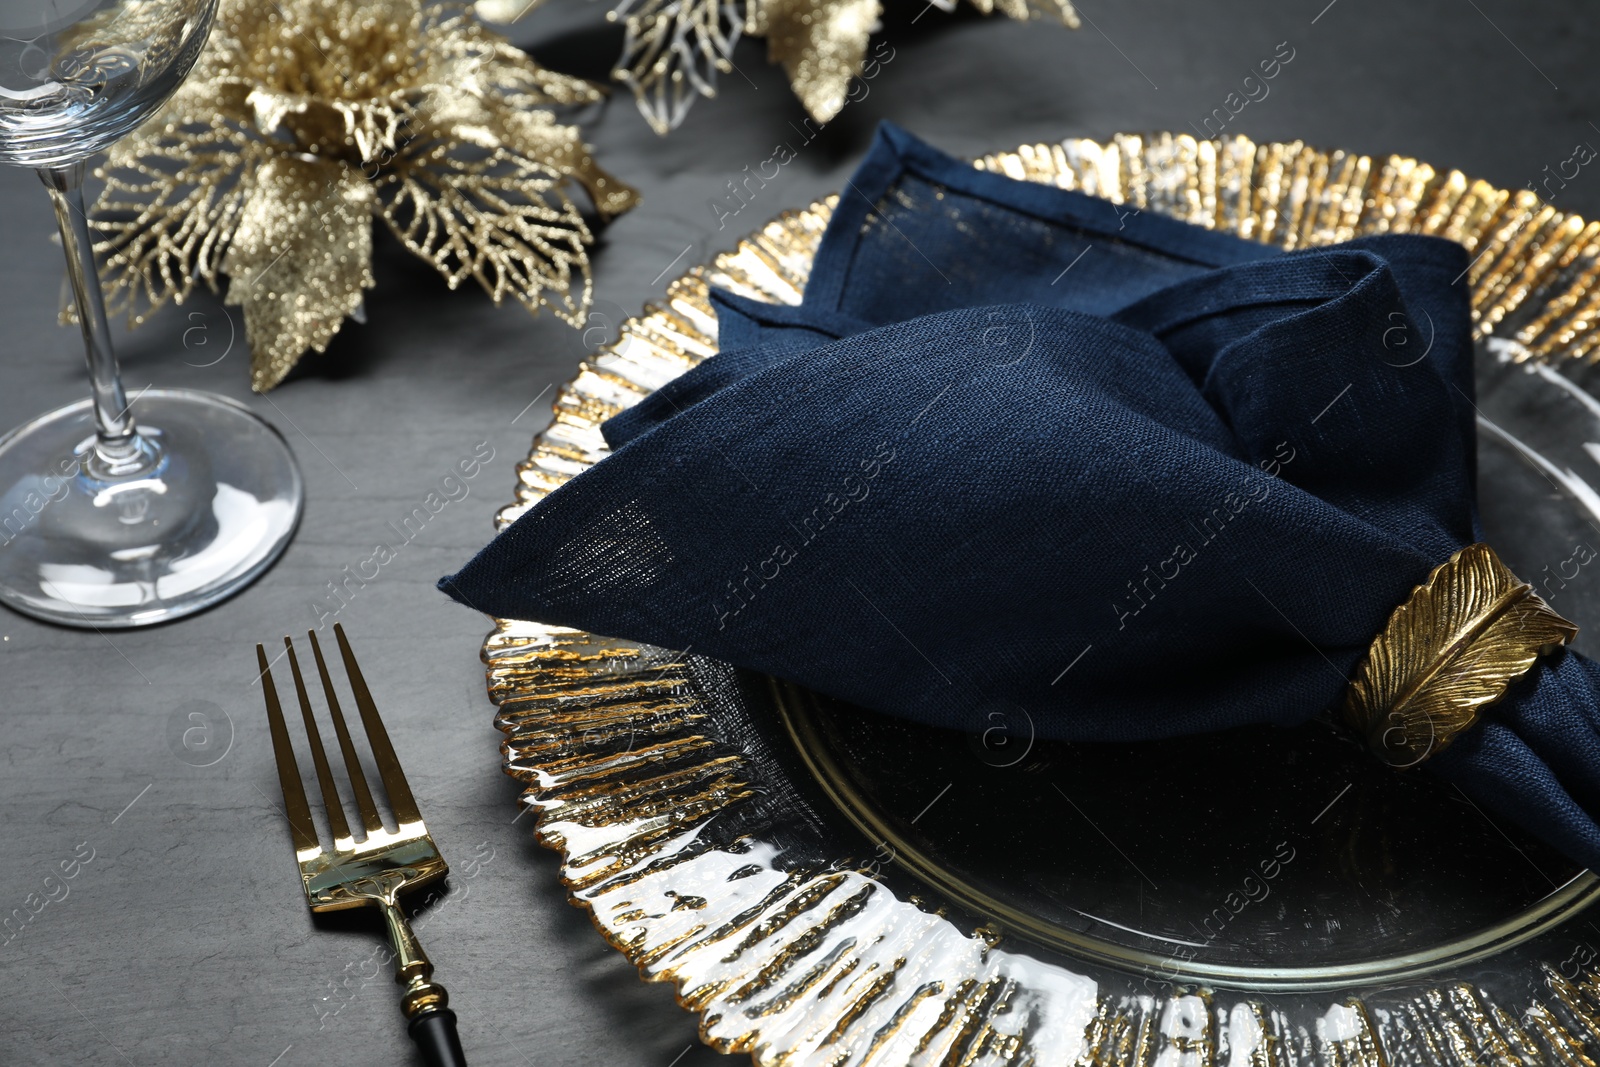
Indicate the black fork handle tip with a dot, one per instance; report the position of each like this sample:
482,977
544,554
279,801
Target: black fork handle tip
435,1035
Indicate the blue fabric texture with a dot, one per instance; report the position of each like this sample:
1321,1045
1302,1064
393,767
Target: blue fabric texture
1020,447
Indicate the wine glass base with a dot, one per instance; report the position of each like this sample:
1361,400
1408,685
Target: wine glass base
209,516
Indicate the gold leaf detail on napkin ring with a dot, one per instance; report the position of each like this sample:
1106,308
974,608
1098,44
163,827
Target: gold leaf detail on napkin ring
1451,649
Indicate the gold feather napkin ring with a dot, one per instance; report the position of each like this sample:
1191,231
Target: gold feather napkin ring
1452,649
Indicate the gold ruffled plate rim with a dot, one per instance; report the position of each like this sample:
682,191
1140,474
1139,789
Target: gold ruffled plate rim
657,819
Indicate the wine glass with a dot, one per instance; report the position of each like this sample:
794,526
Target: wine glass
116,513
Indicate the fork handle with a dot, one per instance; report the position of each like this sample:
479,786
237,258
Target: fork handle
435,1034
425,1003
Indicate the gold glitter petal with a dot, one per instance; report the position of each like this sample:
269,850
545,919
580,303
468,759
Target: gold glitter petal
497,216
465,57
821,44
165,227
537,136
300,260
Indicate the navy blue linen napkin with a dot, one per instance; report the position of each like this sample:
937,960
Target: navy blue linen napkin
1019,449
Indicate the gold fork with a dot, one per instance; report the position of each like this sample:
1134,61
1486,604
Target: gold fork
376,870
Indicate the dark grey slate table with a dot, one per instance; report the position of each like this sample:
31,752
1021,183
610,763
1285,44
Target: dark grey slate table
184,940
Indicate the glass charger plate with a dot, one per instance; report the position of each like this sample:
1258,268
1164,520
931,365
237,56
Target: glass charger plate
825,885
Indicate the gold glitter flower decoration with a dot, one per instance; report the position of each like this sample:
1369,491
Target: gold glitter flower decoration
674,49
302,121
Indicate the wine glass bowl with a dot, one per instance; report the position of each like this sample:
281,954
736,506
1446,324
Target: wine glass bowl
118,512
76,75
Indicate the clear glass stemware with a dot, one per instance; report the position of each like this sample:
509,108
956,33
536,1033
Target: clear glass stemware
113,512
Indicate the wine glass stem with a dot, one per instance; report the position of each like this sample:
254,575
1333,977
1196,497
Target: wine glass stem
118,448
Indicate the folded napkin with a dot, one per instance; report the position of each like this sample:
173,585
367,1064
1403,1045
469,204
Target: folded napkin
1020,448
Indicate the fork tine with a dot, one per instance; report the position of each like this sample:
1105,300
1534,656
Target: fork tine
319,757
394,779
301,832
352,762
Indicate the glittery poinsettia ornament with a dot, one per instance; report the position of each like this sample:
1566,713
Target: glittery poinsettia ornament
306,119
674,49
